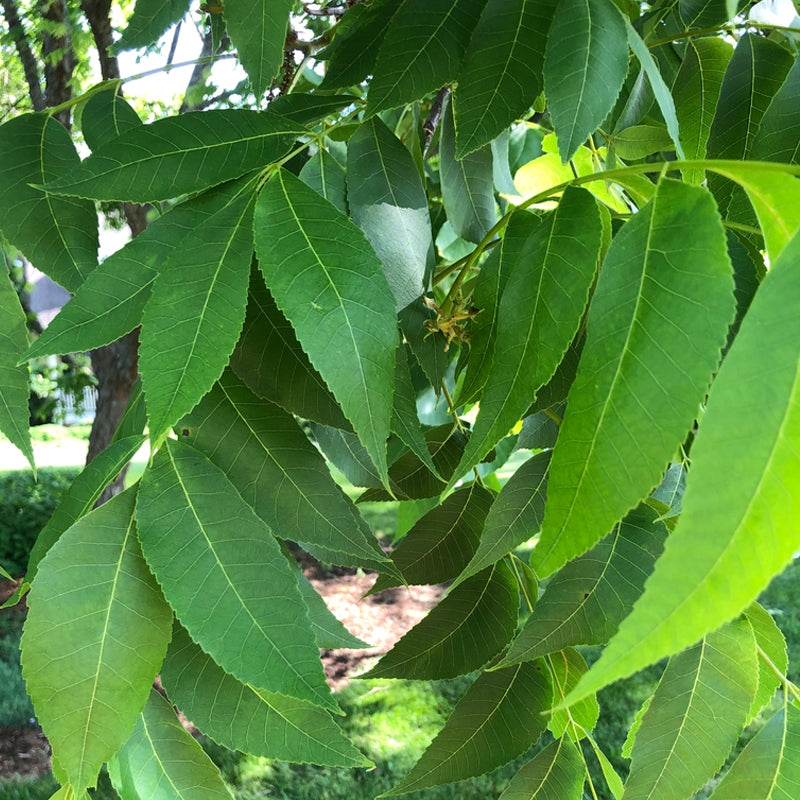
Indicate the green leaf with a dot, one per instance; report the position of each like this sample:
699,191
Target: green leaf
193,318
258,32
515,516
498,719
240,717
14,390
746,527
356,40
585,65
323,173
769,767
307,109
587,599
107,115
428,348
612,779
422,50
150,19
660,89
388,202
253,627
467,184
59,235
639,141
81,496
347,454
554,773
468,628
501,74
134,418
540,311
176,155
627,745
329,283
97,616
270,360
161,758
442,542
567,666
696,91
687,732
770,640
707,13
279,473
778,135
405,420
111,301
633,400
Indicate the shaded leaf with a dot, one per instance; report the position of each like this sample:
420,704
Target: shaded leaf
58,235
428,348
442,542
107,115
14,388
633,400
687,732
467,184
176,155
639,141
149,20
586,62
422,50
344,450
329,283
279,473
540,312
161,758
256,629
307,109
778,135
388,202
251,720
258,32
588,598
554,773
501,74
498,719
515,516
193,318
323,173
769,767
468,627
95,612
747,526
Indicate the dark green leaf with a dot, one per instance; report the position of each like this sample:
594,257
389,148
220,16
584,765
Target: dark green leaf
193,318
258,32
229,583
344,450
501,74
241,717
467,185
633,400
134,418
14,412
329,283
307,109
279,473
422,50
149,20
162,759
269,359
95,612
441,544
554,773
428,348
778,136
175,155
588,598
107,115
59,235
668,760
585,66
323,173
540,311
708,13
498,719
388,202
468,627
515,516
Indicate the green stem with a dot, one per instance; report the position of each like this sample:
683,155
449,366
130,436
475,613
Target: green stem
521,583
787,684
730,28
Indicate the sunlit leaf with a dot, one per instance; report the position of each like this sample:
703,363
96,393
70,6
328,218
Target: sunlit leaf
770,640
567,666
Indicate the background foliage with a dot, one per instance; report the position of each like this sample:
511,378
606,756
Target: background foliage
342,269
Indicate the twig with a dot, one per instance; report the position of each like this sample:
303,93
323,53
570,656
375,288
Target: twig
435,115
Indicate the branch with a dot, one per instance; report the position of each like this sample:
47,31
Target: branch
58,71
199,72
435,115
26,57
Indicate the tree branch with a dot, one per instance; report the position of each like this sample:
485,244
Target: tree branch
26,56
58,57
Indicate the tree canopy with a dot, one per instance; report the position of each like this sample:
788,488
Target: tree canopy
425,237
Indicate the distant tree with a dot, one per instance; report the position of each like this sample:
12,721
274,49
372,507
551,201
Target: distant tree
436,233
